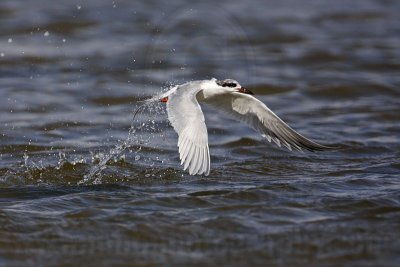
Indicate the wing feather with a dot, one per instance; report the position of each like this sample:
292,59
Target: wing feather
256,114
186,116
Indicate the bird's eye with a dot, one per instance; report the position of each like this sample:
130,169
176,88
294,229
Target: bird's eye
226,83
229,84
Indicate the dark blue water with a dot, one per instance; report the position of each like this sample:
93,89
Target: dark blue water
72,74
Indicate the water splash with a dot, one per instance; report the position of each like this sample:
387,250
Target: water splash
131,140
33,169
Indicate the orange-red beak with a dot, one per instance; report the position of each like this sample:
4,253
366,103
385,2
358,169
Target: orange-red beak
164,99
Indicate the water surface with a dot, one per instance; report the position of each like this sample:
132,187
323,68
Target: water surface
72,74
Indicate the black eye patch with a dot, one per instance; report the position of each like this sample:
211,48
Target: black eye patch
226,83
229,84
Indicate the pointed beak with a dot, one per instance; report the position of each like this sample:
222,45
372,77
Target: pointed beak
245,91
164,99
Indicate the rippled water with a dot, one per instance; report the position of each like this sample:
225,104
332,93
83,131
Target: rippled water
71,76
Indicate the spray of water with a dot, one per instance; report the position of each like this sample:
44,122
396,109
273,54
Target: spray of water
93,177
134,142
117,150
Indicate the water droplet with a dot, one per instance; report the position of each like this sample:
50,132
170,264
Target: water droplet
46,34
64,40
26,157
137,157
78,7
2,54
10,40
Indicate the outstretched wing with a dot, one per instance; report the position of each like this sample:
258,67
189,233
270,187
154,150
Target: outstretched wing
256,114
186,116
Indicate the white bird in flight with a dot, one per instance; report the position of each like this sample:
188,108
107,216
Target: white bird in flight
228,96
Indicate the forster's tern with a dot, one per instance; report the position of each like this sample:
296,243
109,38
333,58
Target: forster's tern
228,96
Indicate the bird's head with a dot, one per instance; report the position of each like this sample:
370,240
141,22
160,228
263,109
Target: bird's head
214,86
232,85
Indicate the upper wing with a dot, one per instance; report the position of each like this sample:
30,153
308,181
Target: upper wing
255,113
186,116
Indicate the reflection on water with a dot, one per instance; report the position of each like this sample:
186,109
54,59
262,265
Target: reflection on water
73,74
